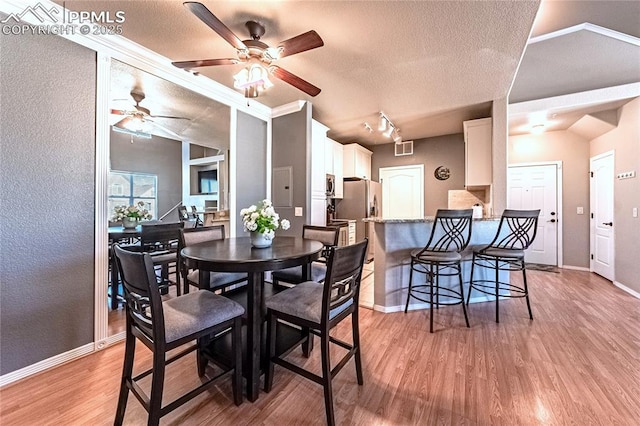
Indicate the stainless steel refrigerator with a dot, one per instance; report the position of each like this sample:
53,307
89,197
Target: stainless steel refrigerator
361,199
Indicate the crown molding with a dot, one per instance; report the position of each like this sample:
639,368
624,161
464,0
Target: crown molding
287,108
587,27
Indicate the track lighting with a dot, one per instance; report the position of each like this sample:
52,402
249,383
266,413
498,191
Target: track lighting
386,127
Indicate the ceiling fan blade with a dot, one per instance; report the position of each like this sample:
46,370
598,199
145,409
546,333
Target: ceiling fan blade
294,80
214,23
120,112
301,43
205,63
122,123
164,129
169,116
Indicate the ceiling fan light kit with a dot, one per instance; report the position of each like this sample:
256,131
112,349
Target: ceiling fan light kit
253,79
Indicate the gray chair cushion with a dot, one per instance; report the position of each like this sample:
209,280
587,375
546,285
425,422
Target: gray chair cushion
436,256
294,275
303,301
503,253
217,279
193,312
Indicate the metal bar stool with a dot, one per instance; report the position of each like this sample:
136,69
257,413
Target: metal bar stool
450,235
516,232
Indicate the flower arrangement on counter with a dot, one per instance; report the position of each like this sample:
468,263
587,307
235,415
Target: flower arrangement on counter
263,219
136,212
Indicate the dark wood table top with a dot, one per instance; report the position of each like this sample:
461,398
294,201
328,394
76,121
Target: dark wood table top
237,254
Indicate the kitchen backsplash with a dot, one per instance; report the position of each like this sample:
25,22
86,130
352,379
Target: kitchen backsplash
463,199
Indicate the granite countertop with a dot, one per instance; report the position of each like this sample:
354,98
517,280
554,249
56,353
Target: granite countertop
418,220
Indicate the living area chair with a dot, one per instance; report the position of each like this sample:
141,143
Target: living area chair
196,216
516,232
450,235
328,236
319,307
217,280
160,240
165,326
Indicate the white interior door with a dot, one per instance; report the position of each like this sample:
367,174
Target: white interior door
536,187
402,192
602,247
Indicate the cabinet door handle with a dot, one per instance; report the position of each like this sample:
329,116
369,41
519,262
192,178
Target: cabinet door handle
608,223
552,221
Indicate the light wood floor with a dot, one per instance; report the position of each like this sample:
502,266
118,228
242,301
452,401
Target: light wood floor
577,362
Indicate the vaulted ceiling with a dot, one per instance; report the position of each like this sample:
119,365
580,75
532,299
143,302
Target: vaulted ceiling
428,65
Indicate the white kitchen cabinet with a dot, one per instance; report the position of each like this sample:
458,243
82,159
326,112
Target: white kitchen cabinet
318,202
356,161
329,166
477,152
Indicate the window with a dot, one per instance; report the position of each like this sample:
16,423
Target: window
127,188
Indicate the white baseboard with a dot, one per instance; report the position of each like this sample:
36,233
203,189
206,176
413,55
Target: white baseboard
46,364
627,289
575,268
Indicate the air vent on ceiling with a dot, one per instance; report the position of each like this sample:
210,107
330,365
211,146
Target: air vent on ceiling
404,148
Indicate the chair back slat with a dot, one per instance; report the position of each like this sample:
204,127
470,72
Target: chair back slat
327,235
141,292
160,236
344,272
451,231
199,235
517,229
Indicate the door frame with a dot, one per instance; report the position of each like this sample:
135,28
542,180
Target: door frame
405,167
559,197
592,233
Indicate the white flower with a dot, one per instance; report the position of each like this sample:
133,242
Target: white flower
285,224
266,202
255,215
269,234
252,226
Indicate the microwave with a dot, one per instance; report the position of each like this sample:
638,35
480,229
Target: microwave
331,185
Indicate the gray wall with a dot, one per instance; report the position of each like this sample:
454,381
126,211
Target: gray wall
47,157
159,156
251,151
573,151
289,148
625,141
445,151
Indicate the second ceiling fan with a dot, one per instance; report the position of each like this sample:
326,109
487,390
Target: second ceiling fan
258,56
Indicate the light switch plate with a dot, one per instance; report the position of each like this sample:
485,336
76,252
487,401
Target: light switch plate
634,212
580,210
298,211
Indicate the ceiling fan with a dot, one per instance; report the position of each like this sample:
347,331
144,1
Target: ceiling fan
258,56
135,118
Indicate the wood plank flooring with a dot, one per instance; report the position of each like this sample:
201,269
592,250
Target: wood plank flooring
577,362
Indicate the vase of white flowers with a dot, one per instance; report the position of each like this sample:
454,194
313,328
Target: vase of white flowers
262,221
129,216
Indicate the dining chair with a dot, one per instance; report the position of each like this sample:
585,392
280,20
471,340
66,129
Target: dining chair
165,326
440,257
160,240
319,307
327,235
196,216
217,280
516,232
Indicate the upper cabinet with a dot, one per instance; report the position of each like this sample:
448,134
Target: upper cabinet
357,161
333,164
477,152
318,200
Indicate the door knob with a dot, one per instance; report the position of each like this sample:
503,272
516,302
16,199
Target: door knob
608,223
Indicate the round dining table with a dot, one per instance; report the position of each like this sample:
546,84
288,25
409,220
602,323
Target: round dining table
237,255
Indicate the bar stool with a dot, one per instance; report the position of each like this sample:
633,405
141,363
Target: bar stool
450,235
516,232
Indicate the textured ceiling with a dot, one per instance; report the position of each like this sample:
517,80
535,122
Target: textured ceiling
428,65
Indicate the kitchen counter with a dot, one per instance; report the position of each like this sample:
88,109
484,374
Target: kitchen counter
426,219
394,240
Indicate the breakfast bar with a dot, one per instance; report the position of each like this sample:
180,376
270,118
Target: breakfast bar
396,238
